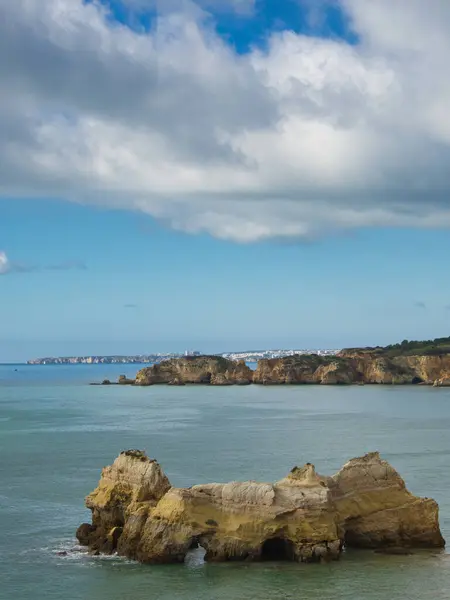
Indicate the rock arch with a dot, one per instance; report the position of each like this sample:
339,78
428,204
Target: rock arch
303,517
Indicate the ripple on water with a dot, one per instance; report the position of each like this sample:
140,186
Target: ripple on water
54,442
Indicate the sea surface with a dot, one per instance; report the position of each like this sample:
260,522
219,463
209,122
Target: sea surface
57,432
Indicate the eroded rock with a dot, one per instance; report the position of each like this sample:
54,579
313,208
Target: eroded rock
354,367
131,482
400,519
303,517
84,533
176,382
124,380
213,370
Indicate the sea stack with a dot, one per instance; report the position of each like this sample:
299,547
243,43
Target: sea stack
304,517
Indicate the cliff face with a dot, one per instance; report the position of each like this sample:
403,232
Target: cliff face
354,367
304,369
400,369
303,517
371,368
132,481
348,367
375,509
430,369
213,370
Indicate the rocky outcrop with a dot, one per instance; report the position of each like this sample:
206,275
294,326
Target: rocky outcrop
213,370
131,482
124,380
176,382
305,368
443,381
376,510
303,517
354,367
360,366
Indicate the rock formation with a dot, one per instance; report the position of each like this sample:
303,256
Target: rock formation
305,368
124,380
213,370
356,366
303,517
398,369
350,367
132,481
376,510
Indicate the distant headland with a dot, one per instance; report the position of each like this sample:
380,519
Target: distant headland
409,362
103,360
154,358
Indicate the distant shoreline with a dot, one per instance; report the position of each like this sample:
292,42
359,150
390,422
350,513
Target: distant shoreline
250,356
80,364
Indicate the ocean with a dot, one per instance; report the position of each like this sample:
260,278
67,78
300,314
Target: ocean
57,432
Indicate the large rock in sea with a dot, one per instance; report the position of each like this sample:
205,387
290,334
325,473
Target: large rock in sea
213,370
132,481
376,510
303,517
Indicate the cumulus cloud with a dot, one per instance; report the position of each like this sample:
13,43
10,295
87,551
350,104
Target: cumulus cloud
302,138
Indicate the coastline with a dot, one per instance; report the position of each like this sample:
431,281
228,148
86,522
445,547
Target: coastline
347,368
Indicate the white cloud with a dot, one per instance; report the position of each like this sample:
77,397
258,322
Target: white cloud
4,264
310,136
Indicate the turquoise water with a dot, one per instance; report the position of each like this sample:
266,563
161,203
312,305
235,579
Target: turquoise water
56,433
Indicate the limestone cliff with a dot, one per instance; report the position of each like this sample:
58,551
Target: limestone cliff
303,517
375,509
399,369
213,370
133,480
356,366
304,368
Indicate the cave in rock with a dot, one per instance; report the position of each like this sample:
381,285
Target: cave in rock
277,549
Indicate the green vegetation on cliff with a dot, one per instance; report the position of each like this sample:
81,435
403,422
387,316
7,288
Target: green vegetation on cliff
410,348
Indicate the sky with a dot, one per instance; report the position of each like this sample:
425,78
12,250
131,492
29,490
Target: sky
222,174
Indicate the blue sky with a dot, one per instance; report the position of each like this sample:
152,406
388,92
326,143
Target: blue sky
230,176
253,23
148,288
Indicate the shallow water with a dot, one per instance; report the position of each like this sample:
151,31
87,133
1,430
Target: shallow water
56,433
